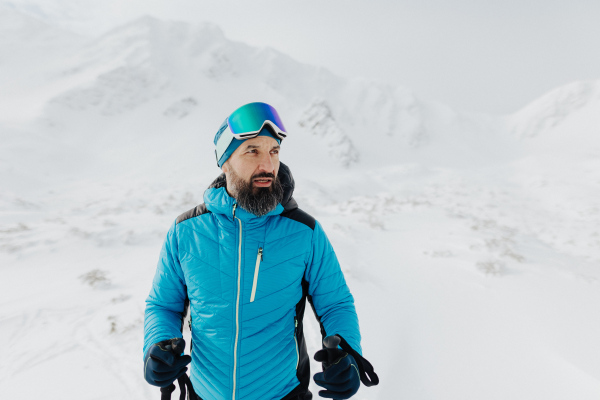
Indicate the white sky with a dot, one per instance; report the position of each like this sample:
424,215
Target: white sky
490,56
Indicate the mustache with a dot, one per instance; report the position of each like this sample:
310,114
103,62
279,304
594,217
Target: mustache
263,175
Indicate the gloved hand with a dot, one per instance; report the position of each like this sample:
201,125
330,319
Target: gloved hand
164,362
340,374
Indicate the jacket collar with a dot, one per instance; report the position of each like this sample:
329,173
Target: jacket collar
218,201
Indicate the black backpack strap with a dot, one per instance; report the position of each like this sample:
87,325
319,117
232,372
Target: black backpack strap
367,374
185,382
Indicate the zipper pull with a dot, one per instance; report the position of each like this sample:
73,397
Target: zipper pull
260,253
234,207
296,321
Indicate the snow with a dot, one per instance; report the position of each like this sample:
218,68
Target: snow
470,242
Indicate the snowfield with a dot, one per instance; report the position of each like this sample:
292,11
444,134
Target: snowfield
471,243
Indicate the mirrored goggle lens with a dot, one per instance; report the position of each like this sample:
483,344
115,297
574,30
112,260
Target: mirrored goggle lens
250,119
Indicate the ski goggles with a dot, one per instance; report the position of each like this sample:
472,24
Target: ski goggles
246,123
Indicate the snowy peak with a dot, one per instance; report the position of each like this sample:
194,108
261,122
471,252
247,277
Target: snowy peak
138,62
149,59
148,41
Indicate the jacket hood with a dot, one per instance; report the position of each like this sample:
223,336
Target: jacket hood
218,201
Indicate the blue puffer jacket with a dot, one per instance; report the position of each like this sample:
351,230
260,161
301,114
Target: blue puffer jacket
246,279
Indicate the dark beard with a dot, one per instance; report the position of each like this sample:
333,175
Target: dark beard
257,200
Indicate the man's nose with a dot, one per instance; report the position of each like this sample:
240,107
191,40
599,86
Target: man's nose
266,163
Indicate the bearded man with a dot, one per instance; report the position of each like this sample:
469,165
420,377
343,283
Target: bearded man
244,262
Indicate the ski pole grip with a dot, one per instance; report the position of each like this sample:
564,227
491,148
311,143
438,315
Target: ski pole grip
177,346
331,342
165,392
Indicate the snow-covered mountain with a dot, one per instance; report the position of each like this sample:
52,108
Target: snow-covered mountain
559,107
470,242
156,67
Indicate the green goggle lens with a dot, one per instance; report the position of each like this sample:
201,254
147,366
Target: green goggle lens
249,119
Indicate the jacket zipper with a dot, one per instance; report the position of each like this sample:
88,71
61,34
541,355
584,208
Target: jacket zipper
237,306
259,257
191,333
296,340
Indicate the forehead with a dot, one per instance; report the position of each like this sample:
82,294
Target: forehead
260,142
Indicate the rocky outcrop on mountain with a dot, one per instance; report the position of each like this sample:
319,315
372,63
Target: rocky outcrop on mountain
319,121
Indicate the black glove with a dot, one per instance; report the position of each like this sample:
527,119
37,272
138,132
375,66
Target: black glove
164,363
340,374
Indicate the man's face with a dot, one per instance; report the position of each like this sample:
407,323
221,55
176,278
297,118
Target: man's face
255,162
251,173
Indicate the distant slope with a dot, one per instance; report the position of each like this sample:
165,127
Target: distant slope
556,108
564,122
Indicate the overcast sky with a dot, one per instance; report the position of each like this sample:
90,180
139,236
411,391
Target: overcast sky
490,56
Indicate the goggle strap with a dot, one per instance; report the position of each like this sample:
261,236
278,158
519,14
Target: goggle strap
223,143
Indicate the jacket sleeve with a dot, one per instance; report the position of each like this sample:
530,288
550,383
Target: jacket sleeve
166,302
328,293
